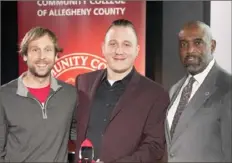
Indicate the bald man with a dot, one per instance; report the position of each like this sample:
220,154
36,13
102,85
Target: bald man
198,123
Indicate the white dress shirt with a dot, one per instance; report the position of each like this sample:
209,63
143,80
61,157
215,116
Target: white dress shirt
199,80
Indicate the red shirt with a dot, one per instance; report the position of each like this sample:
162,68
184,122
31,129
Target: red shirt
40,94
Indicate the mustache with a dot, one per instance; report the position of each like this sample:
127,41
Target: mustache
192,56
41,61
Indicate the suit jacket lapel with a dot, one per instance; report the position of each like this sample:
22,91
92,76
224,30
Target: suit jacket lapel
88,100
130,93
206,89
96,83
173,98
177,90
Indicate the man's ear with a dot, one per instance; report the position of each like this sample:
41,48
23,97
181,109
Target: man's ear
137,50
56,57
213,46
24,58
103,48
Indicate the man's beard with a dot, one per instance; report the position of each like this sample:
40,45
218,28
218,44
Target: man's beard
198,64
36,74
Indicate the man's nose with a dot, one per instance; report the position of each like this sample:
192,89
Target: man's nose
191,48
41,54
119,50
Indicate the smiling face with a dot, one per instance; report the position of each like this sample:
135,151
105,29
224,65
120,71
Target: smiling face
40,56
196,47
120,48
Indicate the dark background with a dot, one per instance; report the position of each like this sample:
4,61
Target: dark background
163,21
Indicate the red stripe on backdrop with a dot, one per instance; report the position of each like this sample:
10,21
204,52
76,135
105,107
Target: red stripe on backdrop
80,27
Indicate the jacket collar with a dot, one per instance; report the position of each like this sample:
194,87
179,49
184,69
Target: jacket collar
23,91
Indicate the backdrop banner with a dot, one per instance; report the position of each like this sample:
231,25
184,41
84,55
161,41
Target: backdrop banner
80,26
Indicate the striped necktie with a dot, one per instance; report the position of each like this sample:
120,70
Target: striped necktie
185,95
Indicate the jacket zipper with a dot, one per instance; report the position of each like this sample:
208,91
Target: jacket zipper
44,106
44,112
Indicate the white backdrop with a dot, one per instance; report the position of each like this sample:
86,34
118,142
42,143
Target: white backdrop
221,29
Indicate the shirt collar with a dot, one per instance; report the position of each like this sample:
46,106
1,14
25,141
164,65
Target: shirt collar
23,91
201,76
124,81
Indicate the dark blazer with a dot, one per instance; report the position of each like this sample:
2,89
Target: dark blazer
203,133
135,132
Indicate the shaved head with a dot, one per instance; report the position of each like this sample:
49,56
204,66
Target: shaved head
199,25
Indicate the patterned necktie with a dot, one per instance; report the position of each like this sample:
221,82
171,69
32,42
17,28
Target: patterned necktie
185,95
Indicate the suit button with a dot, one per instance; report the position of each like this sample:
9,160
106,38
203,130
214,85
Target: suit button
172,155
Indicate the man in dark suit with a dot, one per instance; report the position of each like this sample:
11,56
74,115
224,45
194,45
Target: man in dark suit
198,126
121,111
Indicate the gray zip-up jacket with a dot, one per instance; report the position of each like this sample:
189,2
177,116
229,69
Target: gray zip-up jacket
30,131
